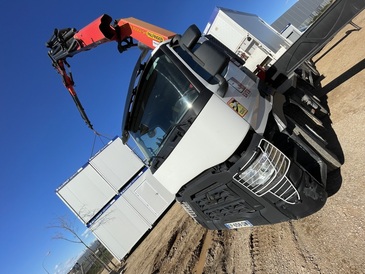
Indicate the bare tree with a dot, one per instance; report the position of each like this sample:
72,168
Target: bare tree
63,224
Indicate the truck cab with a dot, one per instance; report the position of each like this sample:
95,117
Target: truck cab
199,118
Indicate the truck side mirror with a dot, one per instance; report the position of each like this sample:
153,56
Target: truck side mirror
223,85
214,61
188,40
207,55
190,37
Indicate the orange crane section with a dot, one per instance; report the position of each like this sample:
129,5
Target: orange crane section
145,33
68,42
101,31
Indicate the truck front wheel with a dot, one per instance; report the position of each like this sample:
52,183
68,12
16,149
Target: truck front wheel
334,182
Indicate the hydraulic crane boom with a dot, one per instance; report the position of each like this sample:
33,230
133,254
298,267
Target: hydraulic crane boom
68,42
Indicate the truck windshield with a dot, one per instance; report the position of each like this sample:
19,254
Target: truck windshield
163,97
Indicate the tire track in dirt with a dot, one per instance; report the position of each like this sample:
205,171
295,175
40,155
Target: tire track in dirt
225,252
302,251
253,250
185,256
205,243
272,249
216,255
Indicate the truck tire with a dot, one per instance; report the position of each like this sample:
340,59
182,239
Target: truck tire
334,182
330,149
307,121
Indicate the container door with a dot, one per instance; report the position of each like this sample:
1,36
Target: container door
151,197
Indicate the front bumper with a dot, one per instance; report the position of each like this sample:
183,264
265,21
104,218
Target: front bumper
222,198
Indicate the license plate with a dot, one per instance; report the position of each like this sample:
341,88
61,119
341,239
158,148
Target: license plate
238,224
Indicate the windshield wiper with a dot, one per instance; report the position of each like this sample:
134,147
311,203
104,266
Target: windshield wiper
128,108
183,126
154,163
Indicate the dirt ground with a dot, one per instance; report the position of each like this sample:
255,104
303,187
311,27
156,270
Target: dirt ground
330,241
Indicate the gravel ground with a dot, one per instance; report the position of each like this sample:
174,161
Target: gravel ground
330,241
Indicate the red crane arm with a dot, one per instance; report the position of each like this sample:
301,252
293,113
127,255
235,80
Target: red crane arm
68,42
101,31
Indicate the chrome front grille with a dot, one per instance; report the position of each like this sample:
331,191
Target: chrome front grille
266,173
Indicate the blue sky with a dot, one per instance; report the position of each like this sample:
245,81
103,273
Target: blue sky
44,140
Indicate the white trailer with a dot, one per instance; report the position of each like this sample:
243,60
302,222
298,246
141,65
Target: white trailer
248,36
291,33
116,197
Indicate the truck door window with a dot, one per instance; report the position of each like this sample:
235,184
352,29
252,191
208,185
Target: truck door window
163,98
195,66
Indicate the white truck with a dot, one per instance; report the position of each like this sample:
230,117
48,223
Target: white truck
235,149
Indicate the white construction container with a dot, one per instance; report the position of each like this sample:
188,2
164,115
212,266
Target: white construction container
291,33
248,36
116,197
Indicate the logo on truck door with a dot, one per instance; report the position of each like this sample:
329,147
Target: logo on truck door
240,87
237,107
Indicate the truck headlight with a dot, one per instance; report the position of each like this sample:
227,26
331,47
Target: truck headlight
260,173
266,173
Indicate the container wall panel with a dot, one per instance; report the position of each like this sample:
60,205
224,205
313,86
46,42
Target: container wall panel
117,164
120,228
86,193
